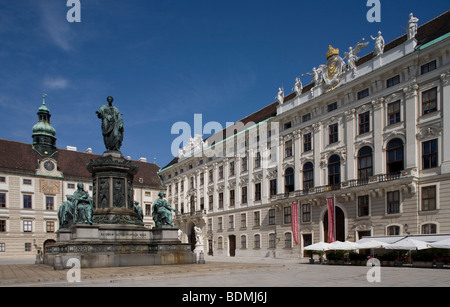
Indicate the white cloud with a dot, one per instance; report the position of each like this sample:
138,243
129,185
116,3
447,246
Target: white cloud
56,83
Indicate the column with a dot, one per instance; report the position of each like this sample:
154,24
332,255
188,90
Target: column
378,158
445,166
411,114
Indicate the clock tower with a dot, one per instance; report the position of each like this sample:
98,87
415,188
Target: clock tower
44,140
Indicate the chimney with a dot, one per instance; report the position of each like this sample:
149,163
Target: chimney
71,148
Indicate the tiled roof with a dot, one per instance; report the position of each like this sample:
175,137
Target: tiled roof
22,158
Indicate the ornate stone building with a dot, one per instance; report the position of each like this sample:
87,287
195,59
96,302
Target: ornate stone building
35,179
372,131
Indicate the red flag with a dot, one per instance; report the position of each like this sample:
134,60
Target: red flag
331,220
294,223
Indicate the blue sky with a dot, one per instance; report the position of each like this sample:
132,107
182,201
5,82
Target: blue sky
164,61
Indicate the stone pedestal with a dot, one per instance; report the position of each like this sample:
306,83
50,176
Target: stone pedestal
117,236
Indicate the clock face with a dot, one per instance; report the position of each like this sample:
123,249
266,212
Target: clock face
49,165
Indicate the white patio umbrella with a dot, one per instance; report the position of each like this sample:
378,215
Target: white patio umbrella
441,244
346,246
373,244
408,244
321,246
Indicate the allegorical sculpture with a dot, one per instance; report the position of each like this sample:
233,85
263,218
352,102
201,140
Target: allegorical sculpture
352,57
162,212
65,213
78,209
112,126
138,210
83,206
412,26
379,44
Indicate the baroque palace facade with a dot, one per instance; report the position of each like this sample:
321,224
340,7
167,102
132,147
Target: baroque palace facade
35,180
372,132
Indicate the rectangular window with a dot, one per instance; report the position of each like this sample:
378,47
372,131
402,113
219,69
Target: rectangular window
2,179
221,172
393,81
231,221
364,122
258,160
27,201
232,198
27,181
256,219
2,247
430,154
393,202
287,214
288,149
429,101
394,112
306,117
257,240
426,68
243,242
210,176
363,94
272,240
27,226
219,223
148,209
2,200
244,164
429,198
210,202
333,133
231,168
332,106
2,225
307,144
28,247
244,195
220,200
363,205
257,191
306,213
273,187
271,216
50,226
287,240
243,220
287,125
49,203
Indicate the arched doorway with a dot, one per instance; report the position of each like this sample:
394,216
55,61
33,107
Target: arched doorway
340,225
48,243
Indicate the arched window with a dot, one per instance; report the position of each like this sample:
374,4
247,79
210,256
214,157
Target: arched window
395,155
289,180
393,230
334,171
308,176
365,165
192,204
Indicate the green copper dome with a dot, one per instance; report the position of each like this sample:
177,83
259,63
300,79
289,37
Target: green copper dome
44,140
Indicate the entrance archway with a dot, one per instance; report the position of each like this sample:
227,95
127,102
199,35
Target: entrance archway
48,243
232,241
340,225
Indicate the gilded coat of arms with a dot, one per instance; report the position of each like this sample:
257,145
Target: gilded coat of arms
333,71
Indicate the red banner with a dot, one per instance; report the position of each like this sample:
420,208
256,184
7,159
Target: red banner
331,220
294,223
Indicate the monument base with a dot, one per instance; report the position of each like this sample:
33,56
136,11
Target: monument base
97,246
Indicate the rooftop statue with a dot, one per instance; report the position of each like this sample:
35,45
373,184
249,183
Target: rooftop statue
162,212
352,58
112,125
412,26
379,44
